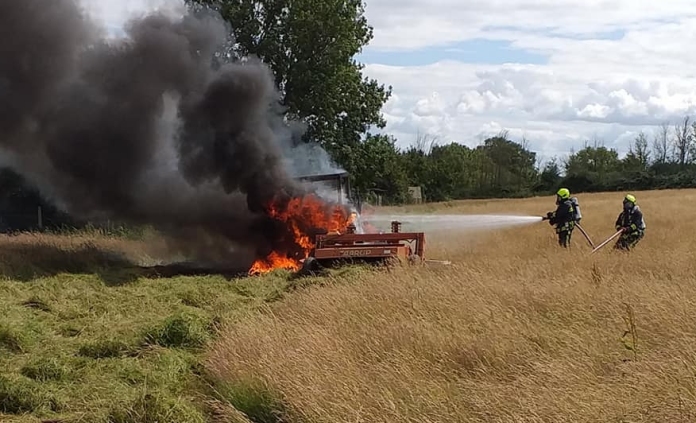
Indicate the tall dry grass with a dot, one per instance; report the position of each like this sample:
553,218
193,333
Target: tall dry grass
29,255
515,330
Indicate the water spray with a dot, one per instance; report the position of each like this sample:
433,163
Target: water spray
453,222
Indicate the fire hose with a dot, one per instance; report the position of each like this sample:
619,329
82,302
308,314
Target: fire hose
587,237
619,232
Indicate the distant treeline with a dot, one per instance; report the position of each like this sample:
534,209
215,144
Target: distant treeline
499,167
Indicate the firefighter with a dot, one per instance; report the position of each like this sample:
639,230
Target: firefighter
631,222
563,217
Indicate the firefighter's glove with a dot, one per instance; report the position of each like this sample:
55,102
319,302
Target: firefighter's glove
549,217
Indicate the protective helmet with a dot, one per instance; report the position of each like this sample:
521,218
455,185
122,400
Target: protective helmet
563,193
629,201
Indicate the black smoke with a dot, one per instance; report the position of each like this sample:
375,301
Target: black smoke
145,130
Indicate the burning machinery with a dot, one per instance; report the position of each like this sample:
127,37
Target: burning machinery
404,246
350,245
339,238
339,181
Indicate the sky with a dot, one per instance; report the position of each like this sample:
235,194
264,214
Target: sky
557,73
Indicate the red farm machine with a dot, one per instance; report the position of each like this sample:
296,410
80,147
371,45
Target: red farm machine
405,246
349,245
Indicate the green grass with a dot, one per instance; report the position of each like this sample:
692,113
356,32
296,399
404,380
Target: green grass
76,347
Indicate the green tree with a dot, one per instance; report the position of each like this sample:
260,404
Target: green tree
594,168
599,160
638,156
380,170
683,143
550,177
310,47
452,172
514,168
416,163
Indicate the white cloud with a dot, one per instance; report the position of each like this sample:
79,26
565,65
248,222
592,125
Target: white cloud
114,13
409,24
591,87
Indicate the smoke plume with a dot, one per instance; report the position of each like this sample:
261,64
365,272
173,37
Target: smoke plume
145,129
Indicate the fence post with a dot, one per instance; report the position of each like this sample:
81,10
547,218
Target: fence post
40,218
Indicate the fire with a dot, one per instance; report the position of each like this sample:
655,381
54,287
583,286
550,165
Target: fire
302,217
273,261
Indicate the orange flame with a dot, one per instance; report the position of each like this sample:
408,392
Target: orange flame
273,261
302,216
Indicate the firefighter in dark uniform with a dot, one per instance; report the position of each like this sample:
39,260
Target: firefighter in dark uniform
563,217
631,222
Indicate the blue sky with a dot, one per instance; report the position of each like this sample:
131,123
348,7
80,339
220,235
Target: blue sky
480,50
476,51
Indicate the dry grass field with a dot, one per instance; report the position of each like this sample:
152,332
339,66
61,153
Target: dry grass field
515,330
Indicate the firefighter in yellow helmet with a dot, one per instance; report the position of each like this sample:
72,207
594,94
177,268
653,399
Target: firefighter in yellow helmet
631,222
563,218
